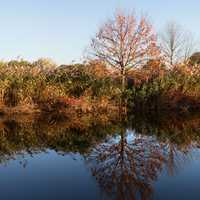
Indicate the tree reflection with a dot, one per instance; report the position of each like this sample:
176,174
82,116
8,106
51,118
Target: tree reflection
178,135
20,137
177,155
127,166
125,157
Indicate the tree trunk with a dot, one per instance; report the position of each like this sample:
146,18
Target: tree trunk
123,77
123,82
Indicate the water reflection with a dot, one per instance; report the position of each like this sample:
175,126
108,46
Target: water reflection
127,165
126,158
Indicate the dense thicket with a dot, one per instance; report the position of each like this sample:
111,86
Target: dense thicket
93,87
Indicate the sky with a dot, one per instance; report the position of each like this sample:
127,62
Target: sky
62,29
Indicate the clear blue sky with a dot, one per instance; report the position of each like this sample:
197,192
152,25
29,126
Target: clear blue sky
61,29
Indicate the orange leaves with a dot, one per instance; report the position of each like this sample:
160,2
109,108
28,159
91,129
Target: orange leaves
125,42
98,69
70,101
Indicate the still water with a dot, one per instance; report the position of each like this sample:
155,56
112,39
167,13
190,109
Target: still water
97,159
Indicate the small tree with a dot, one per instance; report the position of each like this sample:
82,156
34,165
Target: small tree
177,45
125,42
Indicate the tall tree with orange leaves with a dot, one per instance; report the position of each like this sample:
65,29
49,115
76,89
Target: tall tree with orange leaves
125,42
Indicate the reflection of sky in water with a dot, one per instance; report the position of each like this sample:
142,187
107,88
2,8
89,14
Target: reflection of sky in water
183,185
48,174
130,136
52,176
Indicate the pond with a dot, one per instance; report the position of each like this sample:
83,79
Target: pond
139,158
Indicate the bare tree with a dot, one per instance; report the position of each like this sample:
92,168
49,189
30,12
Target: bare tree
125,42
189,46
176,43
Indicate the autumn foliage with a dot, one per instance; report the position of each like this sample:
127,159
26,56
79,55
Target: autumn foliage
126,71
125,42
